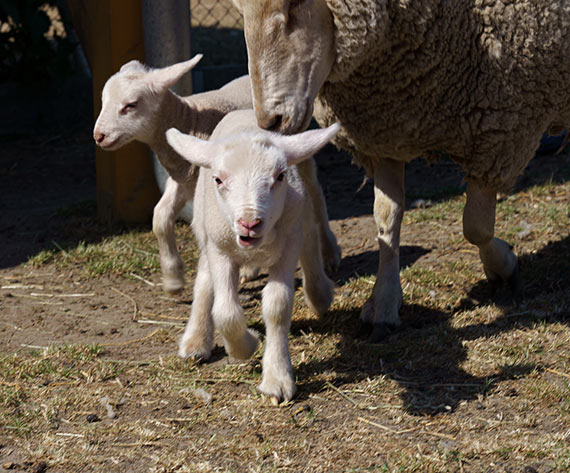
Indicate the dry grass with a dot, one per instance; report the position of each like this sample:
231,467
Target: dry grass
471,384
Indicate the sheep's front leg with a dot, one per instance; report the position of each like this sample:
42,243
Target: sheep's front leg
239,341
499,262
380,312
330,249
163,220
198,337
277,307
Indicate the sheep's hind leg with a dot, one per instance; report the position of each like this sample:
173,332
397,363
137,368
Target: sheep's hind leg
499,262
163,220
198,337
330,249
380,312
239,341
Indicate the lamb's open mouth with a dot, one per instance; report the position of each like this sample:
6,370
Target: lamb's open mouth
248,241
110,146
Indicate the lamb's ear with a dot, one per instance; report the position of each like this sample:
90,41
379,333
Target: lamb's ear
133,65
192,149
303,145
165,78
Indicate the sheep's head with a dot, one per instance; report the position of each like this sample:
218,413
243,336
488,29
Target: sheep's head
131,101
249,174
290,46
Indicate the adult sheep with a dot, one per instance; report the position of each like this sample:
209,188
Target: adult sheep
478,79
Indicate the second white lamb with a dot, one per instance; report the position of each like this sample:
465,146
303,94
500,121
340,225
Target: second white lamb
251,208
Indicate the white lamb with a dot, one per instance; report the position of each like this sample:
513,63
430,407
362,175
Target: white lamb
137,104
250,208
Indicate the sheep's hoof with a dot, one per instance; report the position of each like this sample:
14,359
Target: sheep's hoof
363,331
381,331
514,282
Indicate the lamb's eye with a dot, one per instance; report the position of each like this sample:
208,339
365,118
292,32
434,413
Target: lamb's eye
281,176
219,182
128,107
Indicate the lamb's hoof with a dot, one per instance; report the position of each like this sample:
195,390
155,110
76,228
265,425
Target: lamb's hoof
248,273
319,299
332,253
172,286
332,262
194,351
244,348
282,389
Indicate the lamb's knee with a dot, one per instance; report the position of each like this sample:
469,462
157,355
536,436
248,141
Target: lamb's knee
277,303
162,220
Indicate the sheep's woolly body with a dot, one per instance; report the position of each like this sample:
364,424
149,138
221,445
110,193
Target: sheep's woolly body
478,79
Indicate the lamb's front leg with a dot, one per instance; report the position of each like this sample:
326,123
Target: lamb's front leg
277,307
165,212
198,337
239,341
380,312
330,249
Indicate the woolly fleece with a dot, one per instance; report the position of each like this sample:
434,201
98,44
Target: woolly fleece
480,80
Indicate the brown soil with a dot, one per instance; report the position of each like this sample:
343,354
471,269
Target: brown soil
47,183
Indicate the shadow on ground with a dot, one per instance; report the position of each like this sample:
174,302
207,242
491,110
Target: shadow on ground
425,356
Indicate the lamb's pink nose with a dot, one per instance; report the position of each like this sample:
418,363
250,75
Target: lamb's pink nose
99,137
249,224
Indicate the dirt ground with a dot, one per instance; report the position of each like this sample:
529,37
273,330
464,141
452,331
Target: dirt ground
427,399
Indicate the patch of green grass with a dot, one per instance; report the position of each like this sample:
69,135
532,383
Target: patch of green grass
130,252
43,257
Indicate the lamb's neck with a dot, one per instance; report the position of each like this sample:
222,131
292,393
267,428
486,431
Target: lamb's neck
176,113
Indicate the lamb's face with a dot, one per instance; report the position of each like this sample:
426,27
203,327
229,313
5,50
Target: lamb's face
248,170
250,185
291,52
128,110
132,100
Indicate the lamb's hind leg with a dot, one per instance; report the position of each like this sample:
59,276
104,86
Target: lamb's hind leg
499,262
380,312
198,337
330,249
163,220
318,288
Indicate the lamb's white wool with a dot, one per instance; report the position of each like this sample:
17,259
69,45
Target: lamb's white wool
250,208
137,104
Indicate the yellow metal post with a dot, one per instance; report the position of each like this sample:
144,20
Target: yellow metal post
111,34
